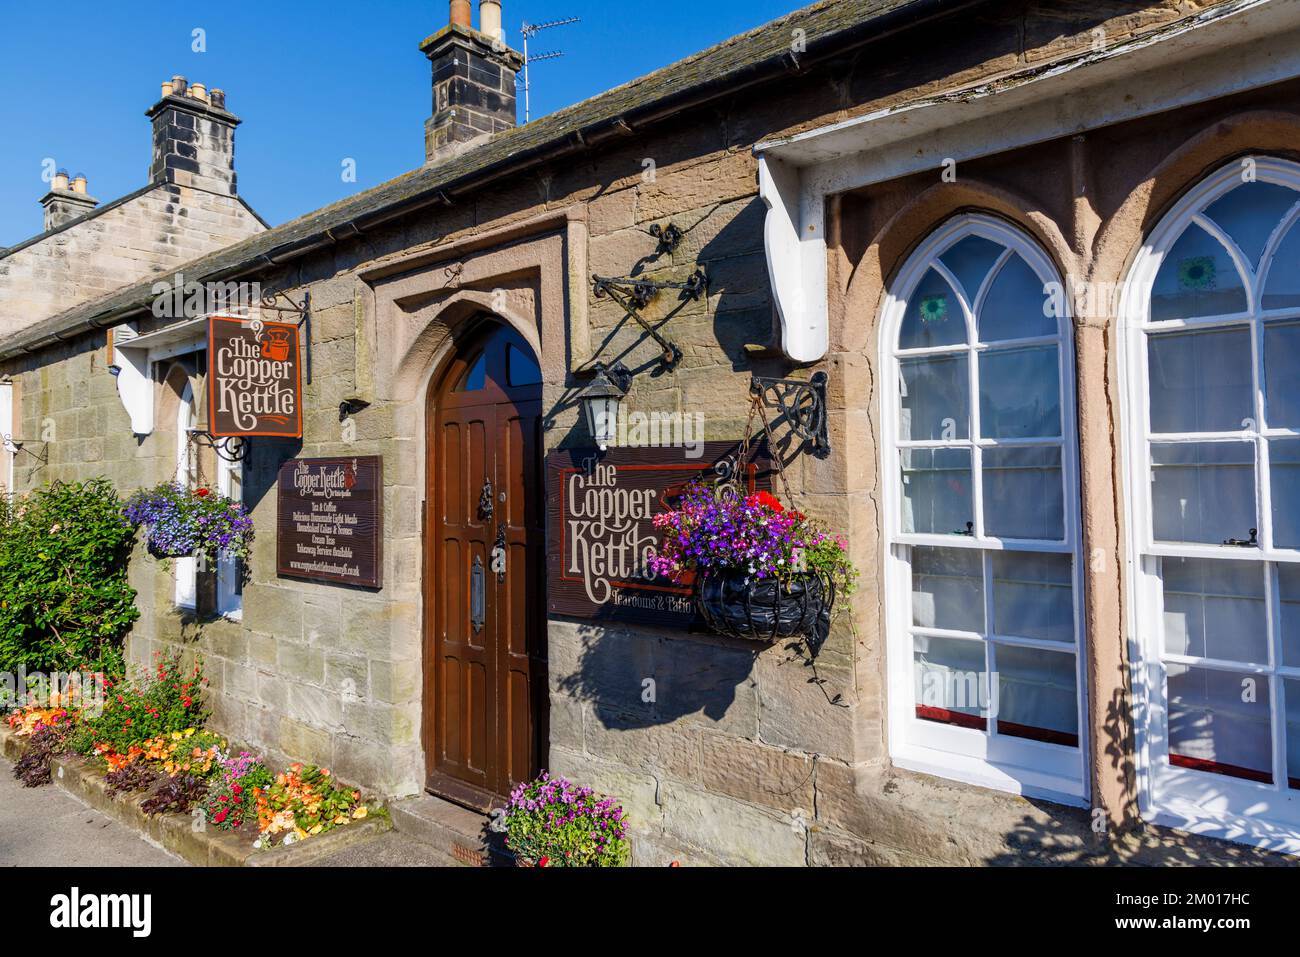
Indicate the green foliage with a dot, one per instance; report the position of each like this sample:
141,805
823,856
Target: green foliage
168,698
65,603
551,822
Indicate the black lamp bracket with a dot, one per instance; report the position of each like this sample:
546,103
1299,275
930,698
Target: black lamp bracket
635,294
228,447
802,402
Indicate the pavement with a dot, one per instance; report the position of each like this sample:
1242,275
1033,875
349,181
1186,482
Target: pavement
48,827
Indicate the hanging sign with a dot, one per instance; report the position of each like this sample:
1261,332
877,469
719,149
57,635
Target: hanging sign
600,510
254,378
330,522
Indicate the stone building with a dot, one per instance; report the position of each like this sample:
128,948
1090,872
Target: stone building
1044,253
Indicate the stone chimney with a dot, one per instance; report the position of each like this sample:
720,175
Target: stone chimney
193,138
66,200
473,80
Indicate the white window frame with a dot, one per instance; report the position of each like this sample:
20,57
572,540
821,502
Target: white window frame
187,475
1263,815
230,598
1018,765
6,432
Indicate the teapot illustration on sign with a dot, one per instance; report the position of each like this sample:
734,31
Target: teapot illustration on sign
276,345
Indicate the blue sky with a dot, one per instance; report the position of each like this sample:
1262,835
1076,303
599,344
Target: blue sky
315,82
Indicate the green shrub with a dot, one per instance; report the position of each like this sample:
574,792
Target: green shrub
65,603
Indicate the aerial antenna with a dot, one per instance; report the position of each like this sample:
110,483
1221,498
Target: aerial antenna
531,30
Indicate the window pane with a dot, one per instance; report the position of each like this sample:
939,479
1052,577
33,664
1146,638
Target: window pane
1033,596
1020,393
1023,497
1197,278
1282,284
1201,381
1282,374
1284,483
936,398
1219,722
476,377
948,588
951,680
1016,306
1250,213
1215,609
933,317
521,369
1202,491
970,261
936,490
1036,694
1288,581
1291,690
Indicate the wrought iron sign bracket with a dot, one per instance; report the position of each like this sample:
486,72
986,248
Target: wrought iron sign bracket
802,402
281,302
634,295
14,446
227,447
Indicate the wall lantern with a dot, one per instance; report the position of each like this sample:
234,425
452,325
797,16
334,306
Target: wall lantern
601,400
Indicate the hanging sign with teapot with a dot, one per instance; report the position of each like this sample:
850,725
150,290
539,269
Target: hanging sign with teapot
254,378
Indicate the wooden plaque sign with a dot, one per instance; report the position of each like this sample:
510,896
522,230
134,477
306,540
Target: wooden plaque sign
254,378
330,525
600,511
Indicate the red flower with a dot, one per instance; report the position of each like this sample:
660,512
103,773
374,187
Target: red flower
202,492
770,500
543,862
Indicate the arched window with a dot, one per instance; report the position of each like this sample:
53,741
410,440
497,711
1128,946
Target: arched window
981,492
1212,369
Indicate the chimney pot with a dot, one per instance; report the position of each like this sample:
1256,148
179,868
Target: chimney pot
218,97
178,85
461,13
167,88
60,180
79,183
199,91
489,19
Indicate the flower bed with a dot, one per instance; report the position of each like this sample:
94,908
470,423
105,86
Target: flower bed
148,739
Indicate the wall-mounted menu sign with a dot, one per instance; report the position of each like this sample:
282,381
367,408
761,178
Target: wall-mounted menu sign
600,511
331,520
254,378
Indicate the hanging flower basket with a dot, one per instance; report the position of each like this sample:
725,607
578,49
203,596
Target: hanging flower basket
762,571
765,609
180,522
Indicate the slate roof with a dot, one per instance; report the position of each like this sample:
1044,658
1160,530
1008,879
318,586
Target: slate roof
830,26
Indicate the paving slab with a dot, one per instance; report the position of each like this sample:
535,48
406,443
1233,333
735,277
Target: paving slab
48,827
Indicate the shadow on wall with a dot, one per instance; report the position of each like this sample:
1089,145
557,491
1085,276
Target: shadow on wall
640,679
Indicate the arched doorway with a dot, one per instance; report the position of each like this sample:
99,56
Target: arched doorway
485,687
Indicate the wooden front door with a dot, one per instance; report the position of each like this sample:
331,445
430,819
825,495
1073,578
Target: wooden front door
485,687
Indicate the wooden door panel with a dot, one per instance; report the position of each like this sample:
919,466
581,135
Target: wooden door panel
486,720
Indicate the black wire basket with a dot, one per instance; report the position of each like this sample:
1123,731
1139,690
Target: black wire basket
766,609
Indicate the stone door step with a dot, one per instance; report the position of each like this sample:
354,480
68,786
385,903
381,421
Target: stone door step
458,833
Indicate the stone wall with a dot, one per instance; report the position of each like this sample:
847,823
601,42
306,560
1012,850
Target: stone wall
148,234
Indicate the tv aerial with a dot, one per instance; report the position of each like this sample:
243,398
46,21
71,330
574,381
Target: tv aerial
530,30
